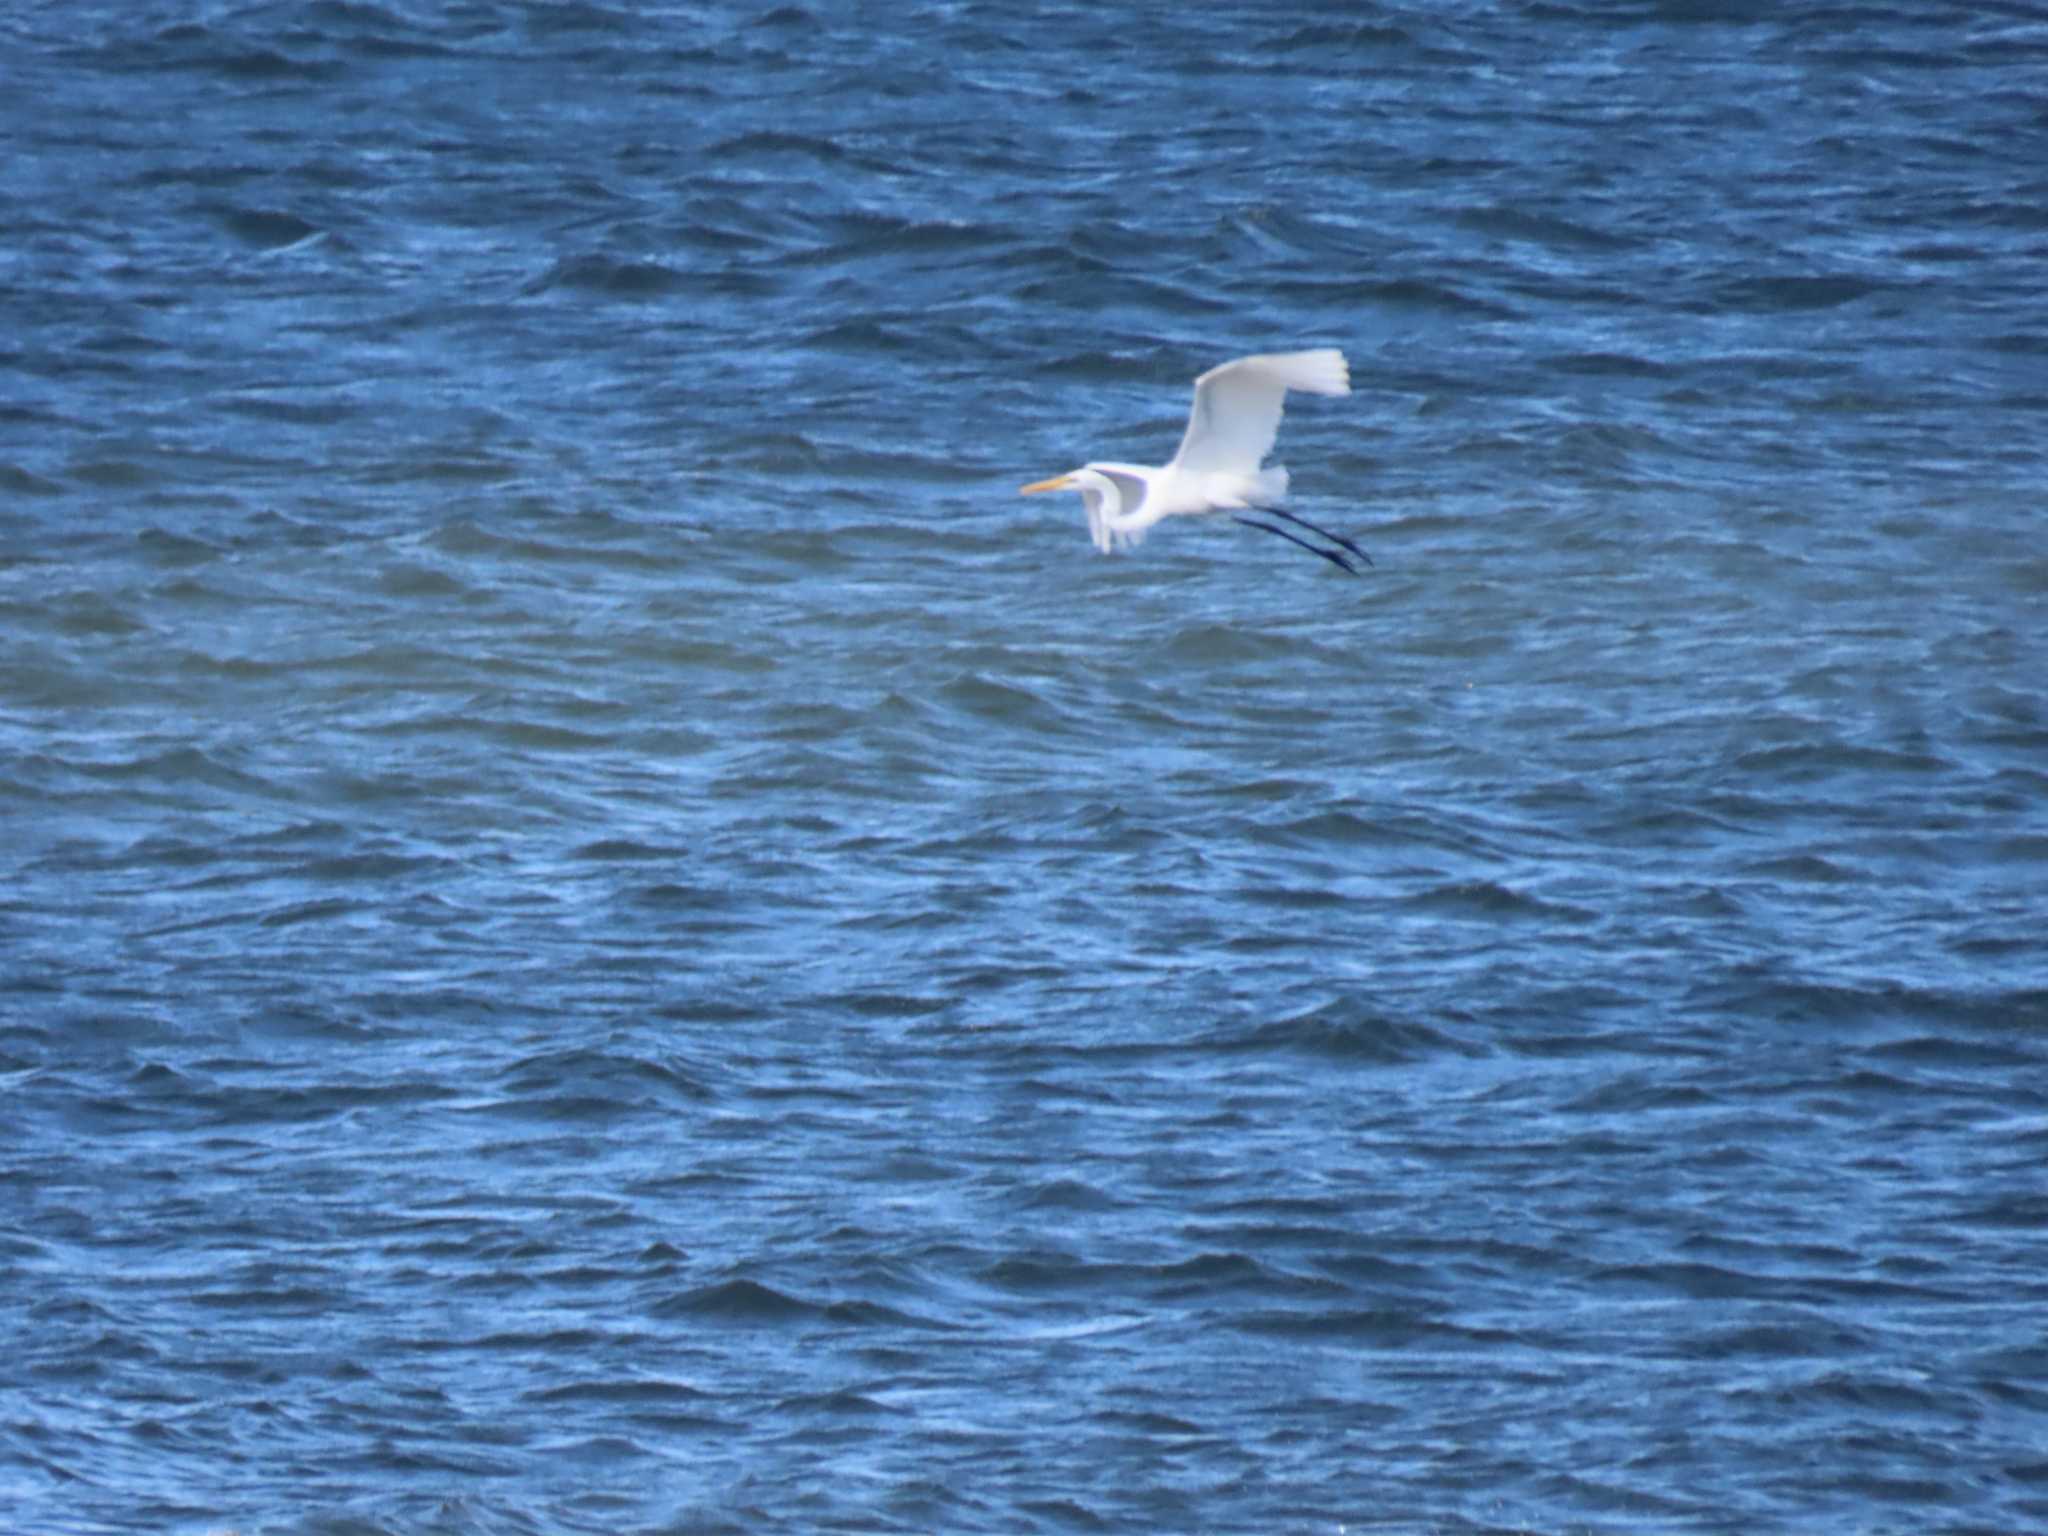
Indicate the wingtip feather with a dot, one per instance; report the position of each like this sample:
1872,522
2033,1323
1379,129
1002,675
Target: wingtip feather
1324,372
1320,371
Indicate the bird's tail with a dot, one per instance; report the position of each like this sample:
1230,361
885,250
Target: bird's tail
1269,486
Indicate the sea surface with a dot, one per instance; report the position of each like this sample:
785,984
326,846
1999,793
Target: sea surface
601,931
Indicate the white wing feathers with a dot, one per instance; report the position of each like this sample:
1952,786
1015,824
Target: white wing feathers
1237,407
1098,521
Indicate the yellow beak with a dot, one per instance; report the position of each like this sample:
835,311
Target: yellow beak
1056,483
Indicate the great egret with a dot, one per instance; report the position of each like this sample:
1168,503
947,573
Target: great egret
1231,429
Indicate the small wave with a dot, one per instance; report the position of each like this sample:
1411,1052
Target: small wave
881,1003
93,614
1488,898
632,1391
265,228
608,277
863,233
612,850
768,143
1886,1393
114,474
1070,1194
313,408
1787,294
1000,702
1700,1282
1400,294
1619,365
1811,762
175,550
1323,39
1340,1032
1803,869
199,48
615,1077
1380,1327
838,1404
786,18
1805,1335
406,578
1210,643
740,1301
1514,223
872,1314
174,768
321,909
1336,827
23,482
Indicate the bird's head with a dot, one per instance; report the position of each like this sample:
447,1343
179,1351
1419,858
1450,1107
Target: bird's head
1072,480
1115,488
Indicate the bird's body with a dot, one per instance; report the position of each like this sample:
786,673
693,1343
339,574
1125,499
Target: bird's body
1231,429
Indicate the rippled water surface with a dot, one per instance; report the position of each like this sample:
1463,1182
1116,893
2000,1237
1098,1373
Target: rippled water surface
601,931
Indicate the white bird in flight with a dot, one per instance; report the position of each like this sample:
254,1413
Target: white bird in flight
1231,429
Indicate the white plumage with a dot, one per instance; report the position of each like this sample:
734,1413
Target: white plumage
1231,429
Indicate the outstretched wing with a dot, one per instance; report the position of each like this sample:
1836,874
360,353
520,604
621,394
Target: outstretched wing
1238,404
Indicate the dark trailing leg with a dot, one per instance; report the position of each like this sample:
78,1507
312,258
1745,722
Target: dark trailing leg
1334,538
1315,549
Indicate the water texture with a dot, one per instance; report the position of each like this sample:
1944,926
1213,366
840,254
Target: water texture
601,931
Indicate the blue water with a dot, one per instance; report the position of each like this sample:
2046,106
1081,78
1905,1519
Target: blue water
602,931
